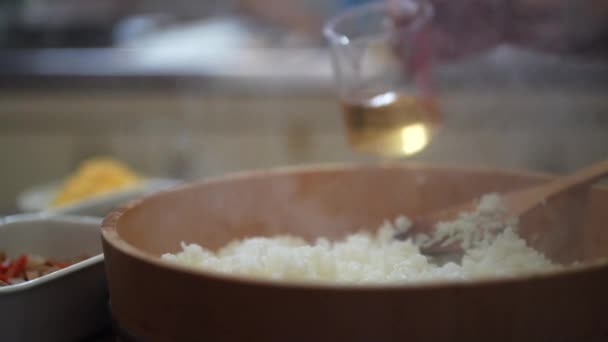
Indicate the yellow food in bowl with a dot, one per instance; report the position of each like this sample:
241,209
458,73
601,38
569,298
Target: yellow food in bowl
94,177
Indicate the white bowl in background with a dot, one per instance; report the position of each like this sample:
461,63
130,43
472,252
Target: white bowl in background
38,198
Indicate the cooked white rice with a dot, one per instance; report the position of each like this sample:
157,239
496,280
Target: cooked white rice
493,249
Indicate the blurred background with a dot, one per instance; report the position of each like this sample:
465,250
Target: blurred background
190,89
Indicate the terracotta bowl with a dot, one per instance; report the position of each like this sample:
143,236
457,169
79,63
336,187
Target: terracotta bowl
153,300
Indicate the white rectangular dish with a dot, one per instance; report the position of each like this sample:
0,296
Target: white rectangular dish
38,198
67,305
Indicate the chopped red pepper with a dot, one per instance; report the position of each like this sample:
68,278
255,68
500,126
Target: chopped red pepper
25,267
17,267
4,278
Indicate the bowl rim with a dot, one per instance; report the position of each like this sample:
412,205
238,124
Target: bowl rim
40,218
111,237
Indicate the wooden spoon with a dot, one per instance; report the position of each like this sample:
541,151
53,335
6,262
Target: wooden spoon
517,203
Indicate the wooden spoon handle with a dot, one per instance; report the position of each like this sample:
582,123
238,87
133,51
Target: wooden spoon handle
583,177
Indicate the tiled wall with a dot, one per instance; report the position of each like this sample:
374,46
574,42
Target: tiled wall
196,134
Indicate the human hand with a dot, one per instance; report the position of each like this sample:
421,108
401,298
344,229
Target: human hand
463,28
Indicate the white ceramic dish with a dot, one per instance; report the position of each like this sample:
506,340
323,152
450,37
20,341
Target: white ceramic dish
66,305
38,198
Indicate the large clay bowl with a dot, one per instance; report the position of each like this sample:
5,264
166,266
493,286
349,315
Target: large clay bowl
153,300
